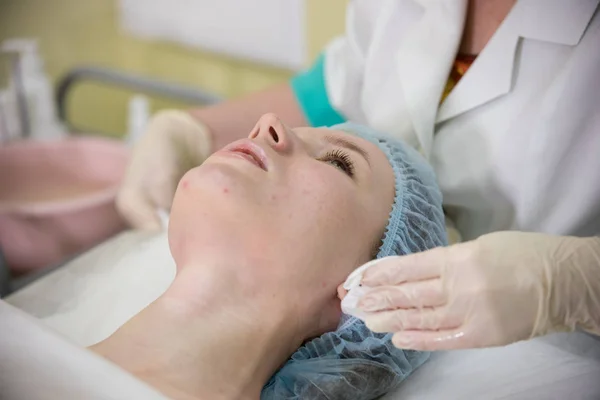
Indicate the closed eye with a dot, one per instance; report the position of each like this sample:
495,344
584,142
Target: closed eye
340,160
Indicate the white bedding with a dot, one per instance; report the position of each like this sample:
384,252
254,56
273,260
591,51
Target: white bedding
90,297
37,364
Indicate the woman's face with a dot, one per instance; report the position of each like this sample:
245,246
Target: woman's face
301,207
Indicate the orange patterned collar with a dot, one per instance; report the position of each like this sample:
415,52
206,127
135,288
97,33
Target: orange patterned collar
459,69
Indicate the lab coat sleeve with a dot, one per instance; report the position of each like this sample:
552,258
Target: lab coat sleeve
311,94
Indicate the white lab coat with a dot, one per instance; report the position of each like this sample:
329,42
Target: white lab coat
516,144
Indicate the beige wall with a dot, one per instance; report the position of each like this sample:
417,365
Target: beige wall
79,32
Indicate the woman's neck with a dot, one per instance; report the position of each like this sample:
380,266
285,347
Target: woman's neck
206,341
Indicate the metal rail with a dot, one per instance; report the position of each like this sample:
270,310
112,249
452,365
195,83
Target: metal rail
134,82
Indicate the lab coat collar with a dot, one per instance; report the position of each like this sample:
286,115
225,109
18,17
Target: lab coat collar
425,56
491,75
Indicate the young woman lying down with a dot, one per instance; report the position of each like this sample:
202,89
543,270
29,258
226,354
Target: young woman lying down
263,233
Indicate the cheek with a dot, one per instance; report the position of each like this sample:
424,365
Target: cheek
326,197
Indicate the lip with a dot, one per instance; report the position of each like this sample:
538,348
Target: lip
250,151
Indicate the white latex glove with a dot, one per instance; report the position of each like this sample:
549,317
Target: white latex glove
501,288
173,143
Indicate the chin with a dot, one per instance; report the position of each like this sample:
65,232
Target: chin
220,180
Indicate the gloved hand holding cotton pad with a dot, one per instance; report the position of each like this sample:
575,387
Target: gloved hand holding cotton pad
355,291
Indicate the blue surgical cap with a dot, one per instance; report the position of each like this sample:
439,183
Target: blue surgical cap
353,362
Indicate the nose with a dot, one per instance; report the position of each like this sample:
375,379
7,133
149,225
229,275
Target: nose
273,131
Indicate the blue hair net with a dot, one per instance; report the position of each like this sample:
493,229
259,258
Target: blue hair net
353,362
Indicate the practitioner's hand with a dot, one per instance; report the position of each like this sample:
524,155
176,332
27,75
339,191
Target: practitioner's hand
173,143
501,288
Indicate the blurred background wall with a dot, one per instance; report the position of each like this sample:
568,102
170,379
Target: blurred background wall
73,33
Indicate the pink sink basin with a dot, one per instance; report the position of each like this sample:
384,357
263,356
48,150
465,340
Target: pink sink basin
57,198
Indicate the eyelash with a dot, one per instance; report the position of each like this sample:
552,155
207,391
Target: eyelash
338,156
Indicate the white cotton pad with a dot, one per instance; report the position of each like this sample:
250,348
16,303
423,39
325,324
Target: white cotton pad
355,291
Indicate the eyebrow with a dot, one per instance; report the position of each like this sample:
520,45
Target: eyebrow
338,141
